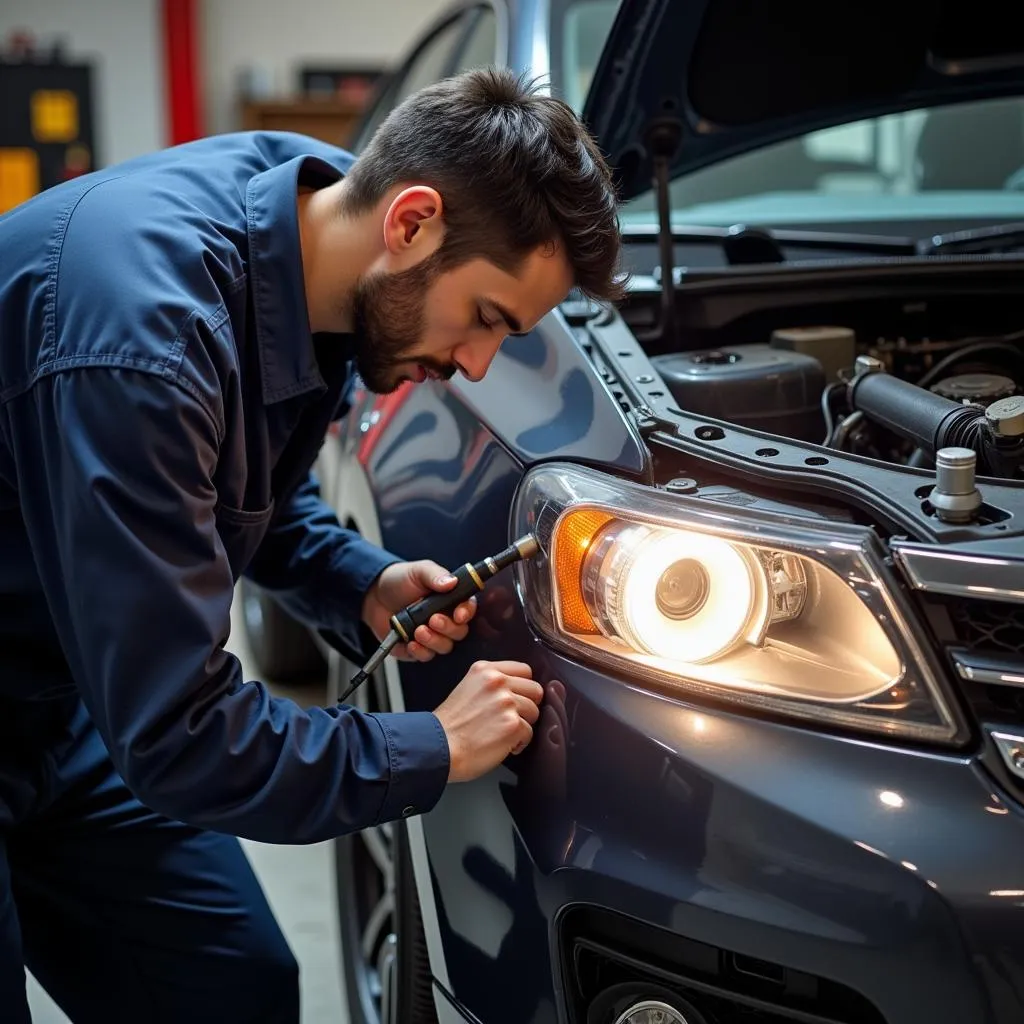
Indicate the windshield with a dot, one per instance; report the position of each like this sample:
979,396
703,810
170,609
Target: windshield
964,161
940,165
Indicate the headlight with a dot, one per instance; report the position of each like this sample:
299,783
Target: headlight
792,615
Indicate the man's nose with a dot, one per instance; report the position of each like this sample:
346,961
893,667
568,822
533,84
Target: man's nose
473,360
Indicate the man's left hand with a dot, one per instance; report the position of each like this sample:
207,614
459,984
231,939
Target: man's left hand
403,583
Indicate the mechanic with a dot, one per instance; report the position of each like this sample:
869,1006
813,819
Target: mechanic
176,335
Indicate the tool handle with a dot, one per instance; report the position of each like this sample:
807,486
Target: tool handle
471,578
406,622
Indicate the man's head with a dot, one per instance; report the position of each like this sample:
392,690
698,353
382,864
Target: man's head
493,203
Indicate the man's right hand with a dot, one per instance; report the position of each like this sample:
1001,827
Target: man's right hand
488,716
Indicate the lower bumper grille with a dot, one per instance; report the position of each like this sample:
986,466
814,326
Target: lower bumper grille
609,961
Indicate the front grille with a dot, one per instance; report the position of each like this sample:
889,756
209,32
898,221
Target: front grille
989,634
989,625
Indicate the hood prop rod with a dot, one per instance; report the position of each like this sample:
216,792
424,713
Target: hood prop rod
663,140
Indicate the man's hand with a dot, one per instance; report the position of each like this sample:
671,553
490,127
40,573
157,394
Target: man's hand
488,716
403,583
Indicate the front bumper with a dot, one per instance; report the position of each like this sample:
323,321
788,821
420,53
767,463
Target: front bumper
896,873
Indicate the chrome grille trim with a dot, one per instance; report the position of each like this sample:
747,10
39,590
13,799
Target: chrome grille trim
986,669
959,574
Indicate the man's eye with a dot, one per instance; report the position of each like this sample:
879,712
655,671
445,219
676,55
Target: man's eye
483,323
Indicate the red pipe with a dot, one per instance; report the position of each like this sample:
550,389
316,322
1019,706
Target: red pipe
181,73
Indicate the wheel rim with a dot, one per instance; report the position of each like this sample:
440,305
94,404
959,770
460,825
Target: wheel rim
370,935
374,871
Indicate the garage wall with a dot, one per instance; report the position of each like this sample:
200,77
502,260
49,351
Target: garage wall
122,39
277,36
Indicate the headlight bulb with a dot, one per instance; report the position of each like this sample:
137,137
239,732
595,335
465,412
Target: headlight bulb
682,590
676,595
788,581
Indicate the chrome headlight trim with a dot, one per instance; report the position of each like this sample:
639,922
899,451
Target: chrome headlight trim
924,711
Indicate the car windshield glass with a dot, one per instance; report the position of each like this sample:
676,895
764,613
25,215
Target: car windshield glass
579,29
936,166
955,162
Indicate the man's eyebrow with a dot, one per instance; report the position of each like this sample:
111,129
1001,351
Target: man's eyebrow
514,326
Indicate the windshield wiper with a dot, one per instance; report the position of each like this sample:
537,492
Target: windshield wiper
743,244
998,238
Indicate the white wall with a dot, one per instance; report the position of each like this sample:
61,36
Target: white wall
123,40
279,35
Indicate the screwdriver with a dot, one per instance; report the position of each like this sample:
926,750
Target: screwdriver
471,578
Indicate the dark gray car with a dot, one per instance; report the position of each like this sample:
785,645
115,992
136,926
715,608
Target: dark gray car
782,573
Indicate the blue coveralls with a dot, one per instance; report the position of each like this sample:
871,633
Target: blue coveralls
162,402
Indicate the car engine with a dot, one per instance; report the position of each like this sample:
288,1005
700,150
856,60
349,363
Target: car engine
811,383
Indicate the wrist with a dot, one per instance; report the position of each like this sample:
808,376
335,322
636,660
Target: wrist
454,749
370,600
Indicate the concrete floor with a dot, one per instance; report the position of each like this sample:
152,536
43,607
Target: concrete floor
299,882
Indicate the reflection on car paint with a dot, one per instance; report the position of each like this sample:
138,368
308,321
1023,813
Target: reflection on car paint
544,371
571,421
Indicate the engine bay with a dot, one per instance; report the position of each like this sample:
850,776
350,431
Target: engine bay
786,367
851,381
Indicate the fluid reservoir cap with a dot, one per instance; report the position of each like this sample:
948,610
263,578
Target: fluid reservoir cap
1006,417
975,387
954,496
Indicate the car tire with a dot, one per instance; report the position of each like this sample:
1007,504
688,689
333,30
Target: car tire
384,959
283,650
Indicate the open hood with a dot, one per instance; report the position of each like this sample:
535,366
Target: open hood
696,81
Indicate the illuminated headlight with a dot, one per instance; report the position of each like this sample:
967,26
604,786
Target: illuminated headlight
790,615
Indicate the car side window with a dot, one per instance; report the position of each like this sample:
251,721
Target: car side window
429,64
481,44
432,62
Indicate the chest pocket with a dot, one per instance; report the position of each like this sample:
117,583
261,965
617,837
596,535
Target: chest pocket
241,533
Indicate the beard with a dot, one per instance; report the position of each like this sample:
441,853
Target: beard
387,312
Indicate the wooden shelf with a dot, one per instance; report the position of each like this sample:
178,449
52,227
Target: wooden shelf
329,120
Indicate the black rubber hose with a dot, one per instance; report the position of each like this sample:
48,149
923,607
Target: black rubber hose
928,420
963,353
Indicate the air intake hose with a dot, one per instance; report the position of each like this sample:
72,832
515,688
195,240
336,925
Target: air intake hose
929,421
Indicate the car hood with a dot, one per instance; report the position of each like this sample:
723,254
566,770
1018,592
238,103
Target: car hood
709,79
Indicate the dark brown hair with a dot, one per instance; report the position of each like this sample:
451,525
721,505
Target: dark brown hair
515,169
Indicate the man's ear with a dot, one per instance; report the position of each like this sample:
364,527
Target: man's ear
413,224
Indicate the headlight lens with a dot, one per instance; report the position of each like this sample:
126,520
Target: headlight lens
791,615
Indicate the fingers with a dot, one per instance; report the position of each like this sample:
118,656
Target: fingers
412,651
452,628
513,668
430,574
528,688
526,708
464,612
431,642
523,739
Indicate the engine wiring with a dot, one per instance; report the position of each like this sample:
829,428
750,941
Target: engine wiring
826,410
838,430
973,348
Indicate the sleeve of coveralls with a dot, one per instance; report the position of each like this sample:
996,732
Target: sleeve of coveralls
121,517
319,571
